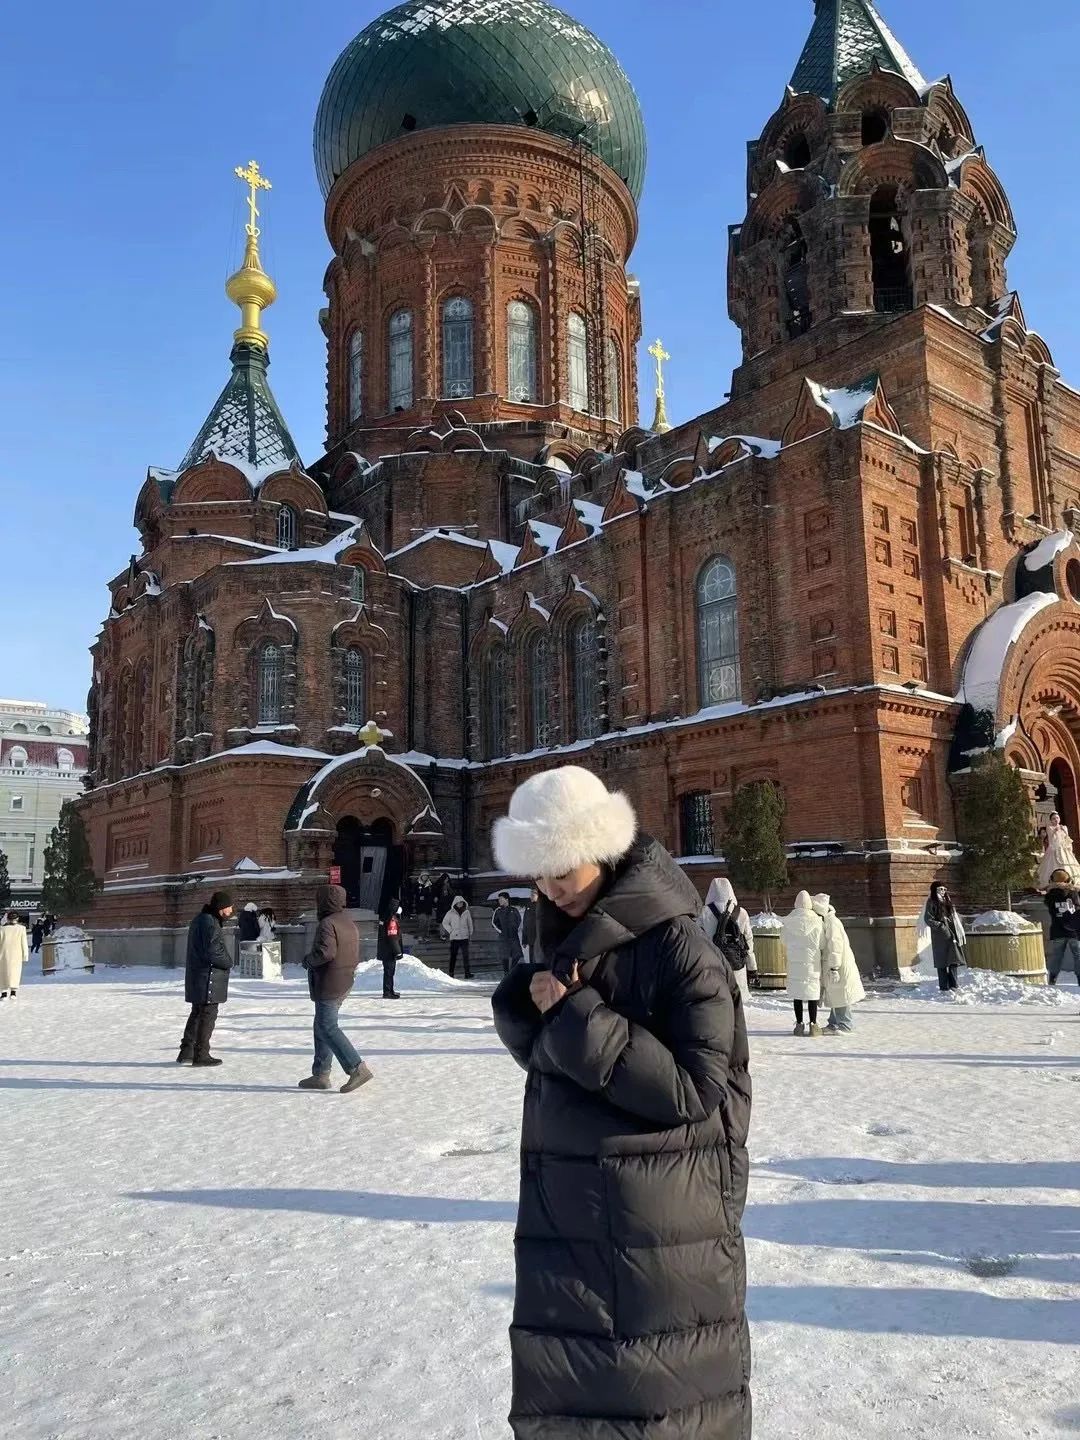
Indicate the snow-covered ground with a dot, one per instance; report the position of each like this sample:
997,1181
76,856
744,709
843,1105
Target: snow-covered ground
214,1253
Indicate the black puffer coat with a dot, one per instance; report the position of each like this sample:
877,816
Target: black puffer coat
209,960
631,1273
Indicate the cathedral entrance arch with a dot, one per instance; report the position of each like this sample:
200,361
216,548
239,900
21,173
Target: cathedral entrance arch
1064,782
371,864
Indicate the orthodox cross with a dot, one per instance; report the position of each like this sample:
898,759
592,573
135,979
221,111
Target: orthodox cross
659,354
370,734
255,180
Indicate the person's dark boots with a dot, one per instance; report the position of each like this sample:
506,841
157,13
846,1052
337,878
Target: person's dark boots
206,1060
186,1057
391,995
314,1082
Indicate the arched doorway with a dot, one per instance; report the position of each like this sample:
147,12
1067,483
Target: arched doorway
371,864
1064,782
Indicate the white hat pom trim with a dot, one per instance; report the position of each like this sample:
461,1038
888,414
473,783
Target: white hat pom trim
557,843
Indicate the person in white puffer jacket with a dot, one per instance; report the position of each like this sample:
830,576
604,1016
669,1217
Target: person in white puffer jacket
457,926
841,983
804,943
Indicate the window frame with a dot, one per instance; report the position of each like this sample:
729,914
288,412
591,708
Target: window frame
355,374
354,686
725,608
400,356
288,527
270,680
584,665
577,362
457,334
523,351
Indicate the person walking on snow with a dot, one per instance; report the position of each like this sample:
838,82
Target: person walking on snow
37,934
1064,905
206,978
506,922
804,941
841,983
631,1272
727,925
13,956
946,936
457,926
528,928
331,968
390,947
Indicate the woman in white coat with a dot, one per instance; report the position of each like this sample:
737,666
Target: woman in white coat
727,925
13,948
841,983
804,941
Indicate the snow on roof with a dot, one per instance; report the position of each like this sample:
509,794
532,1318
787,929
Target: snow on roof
326,554
846,403
236,540
505,554
767,449
534,604
635,484
267,747
1047,550
990,648
591,514
442,533
545,535
247,864
355,755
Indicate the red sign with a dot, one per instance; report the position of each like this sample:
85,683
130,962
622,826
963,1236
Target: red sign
335,874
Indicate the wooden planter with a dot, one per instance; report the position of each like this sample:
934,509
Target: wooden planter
771,960
1020,957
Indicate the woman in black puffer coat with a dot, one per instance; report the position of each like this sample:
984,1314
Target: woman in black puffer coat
629,1316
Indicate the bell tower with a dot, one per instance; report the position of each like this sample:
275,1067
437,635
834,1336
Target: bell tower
867,196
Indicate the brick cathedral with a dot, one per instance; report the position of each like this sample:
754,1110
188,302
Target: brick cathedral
493,568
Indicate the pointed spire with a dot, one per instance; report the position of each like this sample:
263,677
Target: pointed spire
847,37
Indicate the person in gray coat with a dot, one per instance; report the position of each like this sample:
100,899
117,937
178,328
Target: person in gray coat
631,1274
206,979
331,968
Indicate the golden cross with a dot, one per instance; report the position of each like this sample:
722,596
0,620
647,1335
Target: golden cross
370,734
255,181
659,354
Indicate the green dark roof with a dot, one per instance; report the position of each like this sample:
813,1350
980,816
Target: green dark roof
847,37
499,62
245,426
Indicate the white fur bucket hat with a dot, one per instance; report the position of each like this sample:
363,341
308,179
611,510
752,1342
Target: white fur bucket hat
562,819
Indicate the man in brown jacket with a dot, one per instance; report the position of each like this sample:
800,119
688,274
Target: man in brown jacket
331,967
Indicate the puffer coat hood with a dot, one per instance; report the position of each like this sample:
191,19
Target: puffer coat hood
721,893
330,900
628,1314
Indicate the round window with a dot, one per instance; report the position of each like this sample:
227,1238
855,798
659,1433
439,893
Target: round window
1072,579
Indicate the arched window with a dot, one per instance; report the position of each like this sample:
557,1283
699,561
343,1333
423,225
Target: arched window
888,253
44,730
271,676
355,672
288,527
875,126
521,366
794,278
65,760
797,151
457,347
718,633
577,356
613,379
493,701
17,757
538,679
356,375
400,360
358,584
200,676
585,677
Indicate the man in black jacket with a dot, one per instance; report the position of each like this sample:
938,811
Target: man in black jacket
206,979
631,1274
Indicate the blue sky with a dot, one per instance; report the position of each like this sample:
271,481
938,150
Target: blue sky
122,220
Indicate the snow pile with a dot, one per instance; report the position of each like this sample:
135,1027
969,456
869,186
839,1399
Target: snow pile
986,987
1002,922
767,923
411,975
993,641
69,942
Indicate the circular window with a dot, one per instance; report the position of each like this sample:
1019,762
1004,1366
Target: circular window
1072,579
